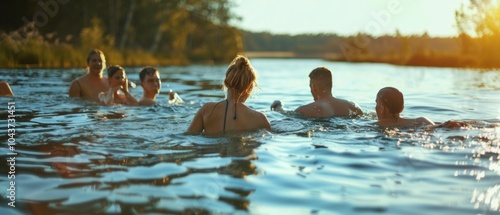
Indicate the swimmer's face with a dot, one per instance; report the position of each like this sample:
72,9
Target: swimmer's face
312,87
380,108
152,83
117,79
96,63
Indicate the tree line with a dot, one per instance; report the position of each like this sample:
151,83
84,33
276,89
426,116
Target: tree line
131,32
59,33
476,46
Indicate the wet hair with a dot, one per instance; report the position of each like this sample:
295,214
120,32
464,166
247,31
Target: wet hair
113,69
93,52
392,99
240,76
323,75
147,71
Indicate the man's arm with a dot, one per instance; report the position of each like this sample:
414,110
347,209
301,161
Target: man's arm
146,102
309,110
355,109
74,89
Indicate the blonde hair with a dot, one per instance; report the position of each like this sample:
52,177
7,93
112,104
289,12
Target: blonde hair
240,77
97,51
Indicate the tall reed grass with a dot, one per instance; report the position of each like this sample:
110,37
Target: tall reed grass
26,47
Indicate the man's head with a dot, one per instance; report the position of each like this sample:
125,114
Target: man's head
389,101
320,81
96,61
150,80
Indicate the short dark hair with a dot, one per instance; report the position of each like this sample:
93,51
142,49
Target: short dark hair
322,74
149,70
392,99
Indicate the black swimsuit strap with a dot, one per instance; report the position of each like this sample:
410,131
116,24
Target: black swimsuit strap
225,113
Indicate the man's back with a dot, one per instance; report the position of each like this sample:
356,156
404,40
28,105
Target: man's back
324,105
330,107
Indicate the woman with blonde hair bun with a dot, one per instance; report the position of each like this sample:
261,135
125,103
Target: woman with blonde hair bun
231,115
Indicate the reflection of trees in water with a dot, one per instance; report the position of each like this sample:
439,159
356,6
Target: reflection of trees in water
242,148
63,155
64,169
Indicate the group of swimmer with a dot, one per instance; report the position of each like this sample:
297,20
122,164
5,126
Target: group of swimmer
231,115
113,88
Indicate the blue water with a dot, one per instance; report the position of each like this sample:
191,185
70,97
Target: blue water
75,157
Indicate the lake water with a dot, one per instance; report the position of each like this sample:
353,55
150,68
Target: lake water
74,157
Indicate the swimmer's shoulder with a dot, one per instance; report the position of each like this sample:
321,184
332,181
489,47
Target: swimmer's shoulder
208,107
424,121
147,102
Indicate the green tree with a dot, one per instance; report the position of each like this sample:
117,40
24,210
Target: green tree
481,19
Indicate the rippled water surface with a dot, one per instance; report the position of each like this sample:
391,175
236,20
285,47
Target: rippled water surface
75,157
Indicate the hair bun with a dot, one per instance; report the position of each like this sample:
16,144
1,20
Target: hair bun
241,62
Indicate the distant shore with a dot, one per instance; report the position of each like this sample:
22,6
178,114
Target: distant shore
452,61
429,60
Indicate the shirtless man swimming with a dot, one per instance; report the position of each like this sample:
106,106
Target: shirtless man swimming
390,104
91,84
325,104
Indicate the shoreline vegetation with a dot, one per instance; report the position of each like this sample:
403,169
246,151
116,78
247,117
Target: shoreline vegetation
177,32
28,48
462,51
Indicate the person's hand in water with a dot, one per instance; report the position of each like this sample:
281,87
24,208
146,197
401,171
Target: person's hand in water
454,124
132,84
277,105
174,98
171,95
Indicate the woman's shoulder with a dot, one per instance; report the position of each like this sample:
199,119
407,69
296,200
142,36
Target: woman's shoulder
405,122
208,107
256,114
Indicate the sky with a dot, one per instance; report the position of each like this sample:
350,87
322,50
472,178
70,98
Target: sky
349,17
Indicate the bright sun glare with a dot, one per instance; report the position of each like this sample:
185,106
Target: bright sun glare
350,17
